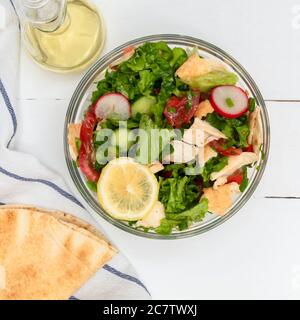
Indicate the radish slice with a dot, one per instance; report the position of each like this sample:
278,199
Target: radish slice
113,106
229,101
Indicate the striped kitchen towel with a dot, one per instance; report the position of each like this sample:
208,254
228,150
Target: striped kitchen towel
23,179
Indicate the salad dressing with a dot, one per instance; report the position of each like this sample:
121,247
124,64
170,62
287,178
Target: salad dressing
62,36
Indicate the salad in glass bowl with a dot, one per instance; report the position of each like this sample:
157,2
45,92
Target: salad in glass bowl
167,139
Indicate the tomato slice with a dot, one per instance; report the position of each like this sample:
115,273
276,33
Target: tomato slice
218,145
85,152
249,148
178,113
236,177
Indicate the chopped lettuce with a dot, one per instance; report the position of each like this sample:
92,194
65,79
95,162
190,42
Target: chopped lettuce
151,67
252,104
92,186
146,82
165,227
178,194
236,130
245,180
179,57
184,219
213,165
243,133
125,83
194,214
78,143
212,79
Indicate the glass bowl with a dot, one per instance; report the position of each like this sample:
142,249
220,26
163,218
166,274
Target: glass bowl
81,100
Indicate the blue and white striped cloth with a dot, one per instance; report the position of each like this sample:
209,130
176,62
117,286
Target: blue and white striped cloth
23,179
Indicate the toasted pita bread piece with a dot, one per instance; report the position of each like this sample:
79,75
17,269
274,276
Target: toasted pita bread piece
63,217
210,133
234,163
73,134
155,166
255,135
46,257
196,66
204,108
221,198
201,133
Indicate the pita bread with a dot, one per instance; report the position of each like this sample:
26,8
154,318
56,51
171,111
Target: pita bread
47,254
235,163
195,66
73,133
221,198
255,136
204,108
155,166
62,216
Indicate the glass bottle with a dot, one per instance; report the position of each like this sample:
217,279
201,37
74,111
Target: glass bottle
62,35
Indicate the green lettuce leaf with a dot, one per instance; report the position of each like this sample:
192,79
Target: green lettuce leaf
212,79
213,165
178,193
179,57
182,220
236,130
245,180
146,82
194,214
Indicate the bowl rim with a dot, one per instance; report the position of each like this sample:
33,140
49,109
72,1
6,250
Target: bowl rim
96,210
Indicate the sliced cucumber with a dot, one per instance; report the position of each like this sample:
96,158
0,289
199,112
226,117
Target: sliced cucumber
143,105
122,138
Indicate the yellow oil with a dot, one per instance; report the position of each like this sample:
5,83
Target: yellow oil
74,45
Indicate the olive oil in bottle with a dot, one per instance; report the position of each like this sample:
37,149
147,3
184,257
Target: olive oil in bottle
62,35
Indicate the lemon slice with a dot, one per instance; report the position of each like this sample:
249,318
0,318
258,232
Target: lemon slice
127,190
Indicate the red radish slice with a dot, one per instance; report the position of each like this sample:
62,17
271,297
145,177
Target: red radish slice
229,101
113,106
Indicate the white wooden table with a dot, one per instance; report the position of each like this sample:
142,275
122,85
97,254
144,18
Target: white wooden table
256,253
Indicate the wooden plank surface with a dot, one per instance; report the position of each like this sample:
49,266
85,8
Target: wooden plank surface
255,254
